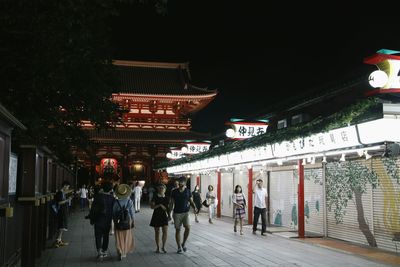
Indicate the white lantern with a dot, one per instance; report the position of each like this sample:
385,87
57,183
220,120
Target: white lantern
169,155
378,78
230,133
184,149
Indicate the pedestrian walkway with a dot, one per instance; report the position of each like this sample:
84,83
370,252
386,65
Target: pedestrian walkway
208,245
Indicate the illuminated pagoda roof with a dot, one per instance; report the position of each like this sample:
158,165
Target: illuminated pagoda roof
155,78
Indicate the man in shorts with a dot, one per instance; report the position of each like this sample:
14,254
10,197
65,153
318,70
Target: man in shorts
180,201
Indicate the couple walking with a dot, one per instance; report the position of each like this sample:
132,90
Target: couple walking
179,201
260,207
106,208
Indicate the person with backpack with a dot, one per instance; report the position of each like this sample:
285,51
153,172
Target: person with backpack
123,216
101,216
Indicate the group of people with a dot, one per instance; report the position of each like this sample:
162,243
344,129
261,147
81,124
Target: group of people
109,204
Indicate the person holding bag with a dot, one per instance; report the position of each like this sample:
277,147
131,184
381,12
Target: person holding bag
239,202
123,209
212,202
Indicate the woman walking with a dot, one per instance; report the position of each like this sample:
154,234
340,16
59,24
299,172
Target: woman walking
197,201
239,202
211,200
159,204
123,237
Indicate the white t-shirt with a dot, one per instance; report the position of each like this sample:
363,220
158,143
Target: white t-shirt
138,191
259,197
84,192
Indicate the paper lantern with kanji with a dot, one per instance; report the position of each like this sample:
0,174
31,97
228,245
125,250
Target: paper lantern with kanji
108,166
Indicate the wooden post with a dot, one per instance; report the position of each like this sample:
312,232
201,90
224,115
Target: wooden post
250,197
219,194
300,201
27,189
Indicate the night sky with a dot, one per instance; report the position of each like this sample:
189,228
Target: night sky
256,55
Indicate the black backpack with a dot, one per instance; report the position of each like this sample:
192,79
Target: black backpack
122,221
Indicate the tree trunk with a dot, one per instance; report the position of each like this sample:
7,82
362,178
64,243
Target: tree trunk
361,220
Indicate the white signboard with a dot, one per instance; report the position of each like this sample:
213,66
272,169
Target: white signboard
243,130
195,148
12,182
335,139
175,154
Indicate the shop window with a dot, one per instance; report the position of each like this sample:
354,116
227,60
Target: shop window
296,119
282,124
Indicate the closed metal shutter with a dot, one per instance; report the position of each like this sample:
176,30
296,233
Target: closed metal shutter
283,198
226,192
386,199
349,229
313,201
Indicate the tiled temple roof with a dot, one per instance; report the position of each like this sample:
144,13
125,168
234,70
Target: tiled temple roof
155,78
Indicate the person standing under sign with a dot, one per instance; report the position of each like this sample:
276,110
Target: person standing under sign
260,207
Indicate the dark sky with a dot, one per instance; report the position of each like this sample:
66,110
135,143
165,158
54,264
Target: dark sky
254,53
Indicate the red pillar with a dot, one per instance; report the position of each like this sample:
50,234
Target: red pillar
219,194
198,180
300,201
250,196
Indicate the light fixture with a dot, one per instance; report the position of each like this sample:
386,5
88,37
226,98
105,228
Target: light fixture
230,133
249,166
184,149
324,159
312,160
169,155
304,162
360,153
279,162
343,157
367,156
378,78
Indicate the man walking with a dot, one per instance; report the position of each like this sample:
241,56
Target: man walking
138,194
181,198
101,216
260,207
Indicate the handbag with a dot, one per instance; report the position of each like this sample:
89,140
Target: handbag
205,204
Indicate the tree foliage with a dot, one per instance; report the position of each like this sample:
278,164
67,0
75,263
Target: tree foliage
343,179
56,68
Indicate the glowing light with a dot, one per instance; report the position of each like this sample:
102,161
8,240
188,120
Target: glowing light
230,133
184,149
169,155
378,78
343,158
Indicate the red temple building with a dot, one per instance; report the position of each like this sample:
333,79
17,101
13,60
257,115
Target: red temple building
160,99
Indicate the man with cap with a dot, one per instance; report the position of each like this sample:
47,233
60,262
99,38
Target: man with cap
123,238
181,198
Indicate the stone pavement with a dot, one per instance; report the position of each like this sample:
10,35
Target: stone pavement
208,245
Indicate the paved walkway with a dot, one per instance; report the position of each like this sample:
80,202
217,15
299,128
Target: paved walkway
208,245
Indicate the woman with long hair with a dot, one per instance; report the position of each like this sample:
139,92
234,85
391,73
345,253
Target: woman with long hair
197,201
159,204
239,202
211,199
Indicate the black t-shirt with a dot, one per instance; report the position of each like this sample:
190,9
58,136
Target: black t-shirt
181,200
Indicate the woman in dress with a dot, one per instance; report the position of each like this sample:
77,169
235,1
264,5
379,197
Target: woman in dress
159,204
124,239
211,199
239,205
197,201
